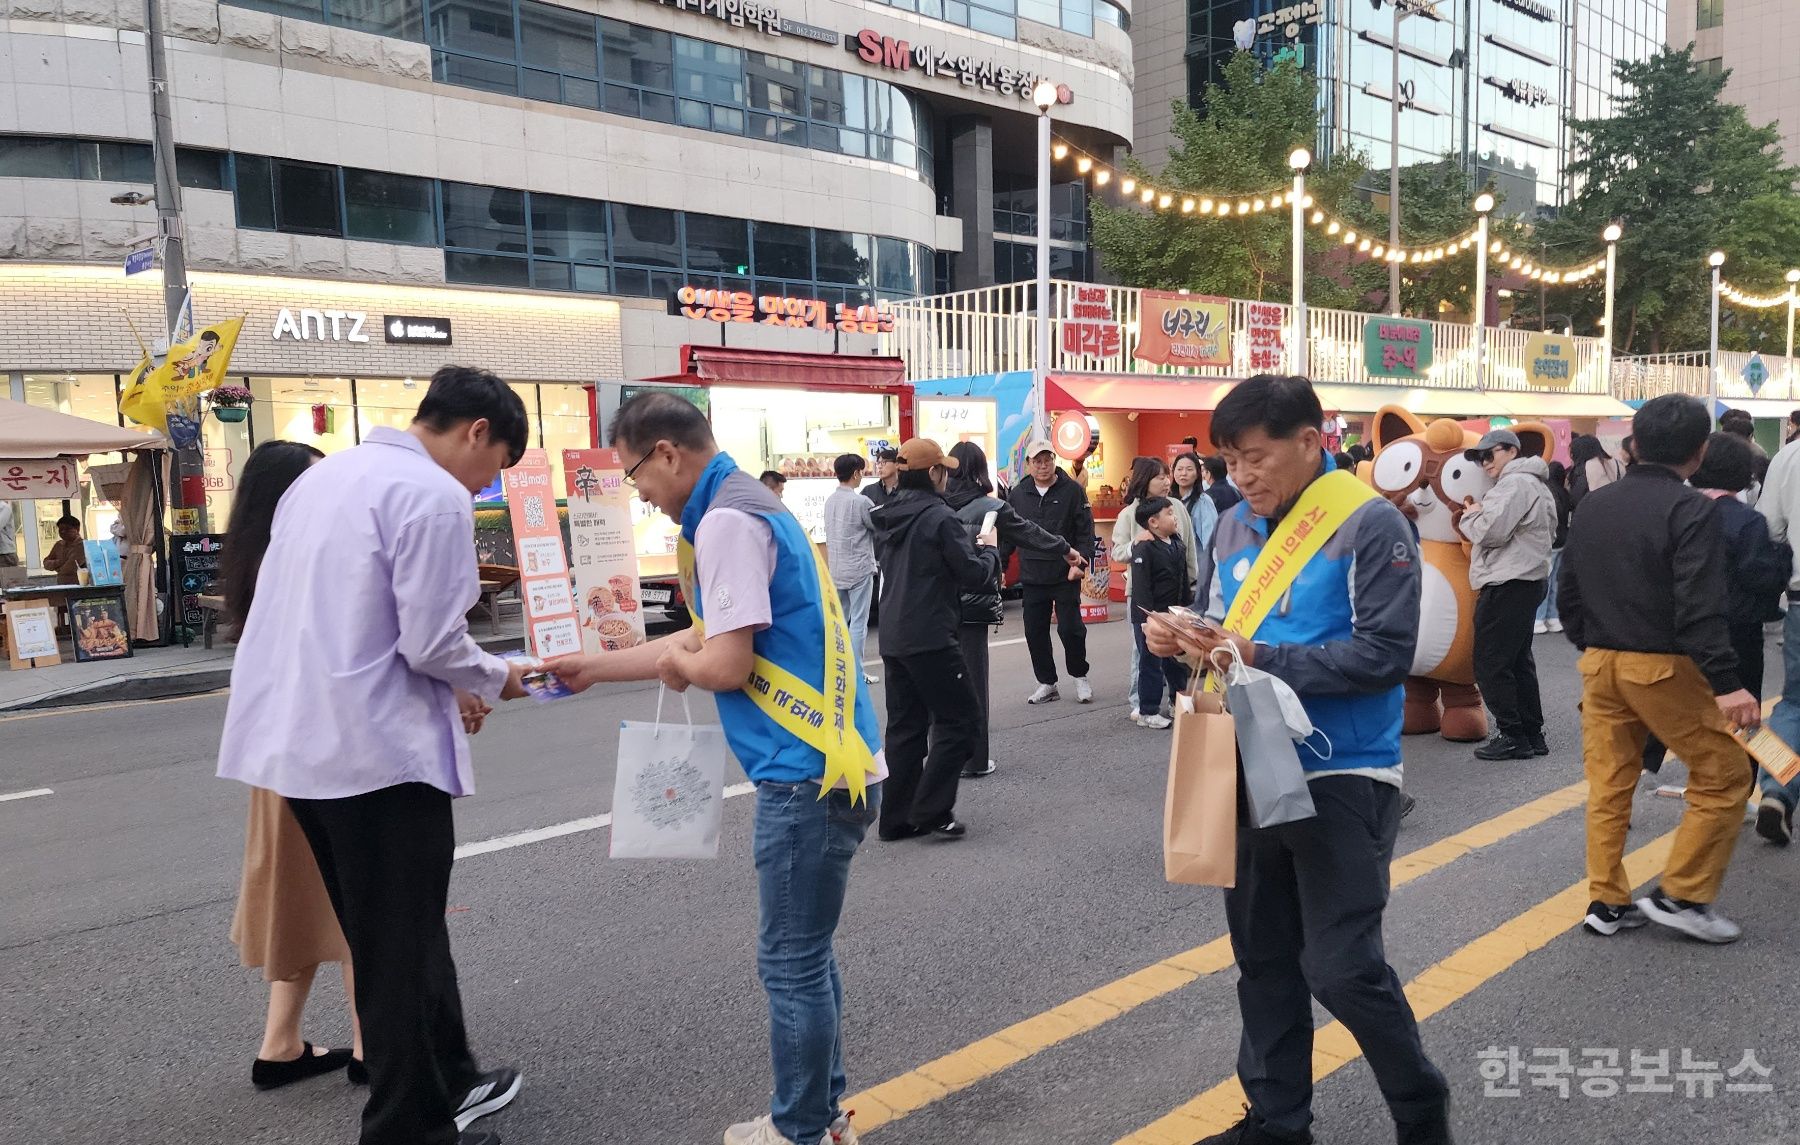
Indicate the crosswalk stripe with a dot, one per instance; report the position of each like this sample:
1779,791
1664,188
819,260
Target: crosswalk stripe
937,1079
1435,989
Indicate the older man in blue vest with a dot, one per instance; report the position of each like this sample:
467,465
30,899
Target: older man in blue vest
764,606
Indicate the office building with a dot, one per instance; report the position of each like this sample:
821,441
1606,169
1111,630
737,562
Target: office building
1757,41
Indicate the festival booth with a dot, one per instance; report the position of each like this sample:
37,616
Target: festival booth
115,605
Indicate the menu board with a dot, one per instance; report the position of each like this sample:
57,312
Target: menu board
101,631
602,551
197,560
31,633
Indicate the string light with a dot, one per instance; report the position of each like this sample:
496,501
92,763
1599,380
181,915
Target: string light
1752,301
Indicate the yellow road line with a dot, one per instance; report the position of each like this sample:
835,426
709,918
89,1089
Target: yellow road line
1435,989
912,1091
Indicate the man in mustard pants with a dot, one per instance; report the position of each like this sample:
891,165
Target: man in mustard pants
1645,591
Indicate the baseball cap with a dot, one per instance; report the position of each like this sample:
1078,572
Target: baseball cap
1037,446
922,453
1489,440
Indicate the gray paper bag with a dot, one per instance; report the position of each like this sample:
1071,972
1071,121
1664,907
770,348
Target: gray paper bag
1274,782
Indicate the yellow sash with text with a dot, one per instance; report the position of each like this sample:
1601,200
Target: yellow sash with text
826,723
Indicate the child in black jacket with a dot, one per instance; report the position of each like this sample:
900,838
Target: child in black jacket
1159,581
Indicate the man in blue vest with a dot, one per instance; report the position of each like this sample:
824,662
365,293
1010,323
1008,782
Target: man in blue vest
1305,915
757,588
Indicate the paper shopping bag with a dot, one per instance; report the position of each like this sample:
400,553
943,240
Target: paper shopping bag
1200,811
1274,782
669,791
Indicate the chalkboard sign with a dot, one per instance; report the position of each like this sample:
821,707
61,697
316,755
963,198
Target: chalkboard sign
101,631
197,560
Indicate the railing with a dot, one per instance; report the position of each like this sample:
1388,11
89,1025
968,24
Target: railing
1652,375
991,331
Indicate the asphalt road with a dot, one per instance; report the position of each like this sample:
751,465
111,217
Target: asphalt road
626,991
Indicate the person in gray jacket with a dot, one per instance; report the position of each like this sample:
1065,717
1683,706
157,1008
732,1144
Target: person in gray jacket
1511,529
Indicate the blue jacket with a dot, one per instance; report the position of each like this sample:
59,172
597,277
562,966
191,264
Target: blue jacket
1342,637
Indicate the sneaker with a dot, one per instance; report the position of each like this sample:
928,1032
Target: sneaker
978,772
1249,1131
1540,628
842,1132
871,680
1539,745
1694,919
1084,692
1553,624
1154,722
1044,694
1775,821
1610,920
1504,747
491,1094
1432,1129
1132,714
1407,803
762,1131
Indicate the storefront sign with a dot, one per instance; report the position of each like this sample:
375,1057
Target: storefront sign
1089,328
31,633
1396,348
1072,435
537,542
1519,91
948,421
99,629
896,55
1184,330
197,560
1264,325
1536,9
407,329
1289,20
307,325
602,551
1550,361
738,13
706,304
47,479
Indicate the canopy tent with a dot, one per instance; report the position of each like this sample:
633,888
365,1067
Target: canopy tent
30,433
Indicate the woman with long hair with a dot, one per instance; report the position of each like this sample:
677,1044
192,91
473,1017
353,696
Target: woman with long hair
284,921
1548,618
1191,492
971,495
1590,467
1149,478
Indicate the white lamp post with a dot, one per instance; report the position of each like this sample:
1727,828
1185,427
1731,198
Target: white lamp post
1484,203
1611,234
1299,161
1716,260
1044,95
1793,279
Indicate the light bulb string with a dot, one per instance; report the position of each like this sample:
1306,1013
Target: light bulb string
1739,297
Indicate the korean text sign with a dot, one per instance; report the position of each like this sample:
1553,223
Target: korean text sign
1184,330
49,479
602,551
1264,325
1396,348
1550,361
544,572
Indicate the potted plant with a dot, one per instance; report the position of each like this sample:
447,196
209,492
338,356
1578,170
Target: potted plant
231,403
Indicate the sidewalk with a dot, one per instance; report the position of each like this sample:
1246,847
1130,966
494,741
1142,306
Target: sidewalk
161,673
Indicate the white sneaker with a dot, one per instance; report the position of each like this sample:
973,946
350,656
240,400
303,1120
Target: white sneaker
762,1131
1132,714
868,679
1154,722
1540,628
1084,692
1044,694
1554,625
1694,919
842,1132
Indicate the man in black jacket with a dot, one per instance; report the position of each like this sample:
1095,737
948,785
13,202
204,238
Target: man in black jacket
1054,502
1645,594
927,563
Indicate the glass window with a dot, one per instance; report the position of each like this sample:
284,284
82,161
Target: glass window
549,275
92,396
993,23
30,157
560,421
592,279
484,218
715,243
844,257
320,412
306,198
645,235
559,40
117,162
640,56
201,170
1709,14
298,9
827,91
895,272
387,404
389,208
783,251
775,84
482,27
563,227
467,71
1111,13
1043,11
488,269
403,19
1077,16
708,71
255,192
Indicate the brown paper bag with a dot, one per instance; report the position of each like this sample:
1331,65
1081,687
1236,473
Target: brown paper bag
1200,813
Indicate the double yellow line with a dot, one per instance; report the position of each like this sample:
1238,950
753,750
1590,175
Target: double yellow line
937,1079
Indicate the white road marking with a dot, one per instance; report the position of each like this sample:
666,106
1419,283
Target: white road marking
558,830
876,663
33,794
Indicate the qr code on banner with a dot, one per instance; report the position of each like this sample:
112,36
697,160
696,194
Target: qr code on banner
1507,1071
534,512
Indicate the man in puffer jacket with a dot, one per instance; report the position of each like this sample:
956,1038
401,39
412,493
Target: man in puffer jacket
1512,529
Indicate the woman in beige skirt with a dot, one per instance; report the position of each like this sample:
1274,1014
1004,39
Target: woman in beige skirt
284,921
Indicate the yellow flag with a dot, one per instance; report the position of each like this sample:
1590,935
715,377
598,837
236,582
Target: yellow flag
135,403
192,368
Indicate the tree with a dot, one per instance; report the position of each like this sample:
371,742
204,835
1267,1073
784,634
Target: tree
1685,173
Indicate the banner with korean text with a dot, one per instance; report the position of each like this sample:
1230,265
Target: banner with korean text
1184,330
550,625
602,551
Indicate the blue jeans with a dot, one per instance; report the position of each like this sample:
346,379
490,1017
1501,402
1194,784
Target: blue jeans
1547,610
1785,720
803,847
856,600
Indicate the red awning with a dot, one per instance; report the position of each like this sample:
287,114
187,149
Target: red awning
1164,394
776,368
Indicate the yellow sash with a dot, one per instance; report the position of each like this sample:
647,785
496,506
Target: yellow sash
1320,512
826,723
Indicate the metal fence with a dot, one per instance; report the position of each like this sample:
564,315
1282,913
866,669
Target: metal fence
1652,375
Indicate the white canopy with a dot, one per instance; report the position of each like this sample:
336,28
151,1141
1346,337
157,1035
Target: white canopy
29,432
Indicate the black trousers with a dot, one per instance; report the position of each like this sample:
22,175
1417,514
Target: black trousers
385,857
974,639
1066,597
1504,667
1305,922
931,704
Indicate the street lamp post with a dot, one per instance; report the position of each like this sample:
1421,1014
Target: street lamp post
1394,166
1611,235
1484,203
1716,260
1044,96
1299,161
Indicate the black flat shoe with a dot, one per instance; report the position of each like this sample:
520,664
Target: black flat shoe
950,829
895,834
266,1074
357,1071
977,772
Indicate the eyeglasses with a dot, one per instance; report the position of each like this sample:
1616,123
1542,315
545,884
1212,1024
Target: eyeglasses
630,478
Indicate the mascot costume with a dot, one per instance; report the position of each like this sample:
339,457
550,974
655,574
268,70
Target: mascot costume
1422,470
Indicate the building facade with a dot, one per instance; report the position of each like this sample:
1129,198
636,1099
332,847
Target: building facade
1491,83
1756,40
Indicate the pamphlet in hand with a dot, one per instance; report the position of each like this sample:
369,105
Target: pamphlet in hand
541,684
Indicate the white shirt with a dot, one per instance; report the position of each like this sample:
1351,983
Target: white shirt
9,543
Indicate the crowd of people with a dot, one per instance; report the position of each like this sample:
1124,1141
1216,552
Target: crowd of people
1666,564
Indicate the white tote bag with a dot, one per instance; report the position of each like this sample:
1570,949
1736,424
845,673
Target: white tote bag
669,791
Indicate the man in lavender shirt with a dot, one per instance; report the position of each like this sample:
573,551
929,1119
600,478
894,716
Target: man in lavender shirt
348,696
